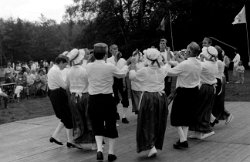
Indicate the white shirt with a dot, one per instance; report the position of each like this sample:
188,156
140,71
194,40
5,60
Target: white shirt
77,79
221,67
120,63
137,85
100,76
209,72
165,56
65,72
188,73
151,78
236,60
55,79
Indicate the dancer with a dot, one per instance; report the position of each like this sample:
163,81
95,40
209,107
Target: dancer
136,87
219,112
77,82
206,95
120,85
187,89
153,109
102,106
59,100
167,55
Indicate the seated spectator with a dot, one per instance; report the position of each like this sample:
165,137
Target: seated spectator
31,77
41,82
20,83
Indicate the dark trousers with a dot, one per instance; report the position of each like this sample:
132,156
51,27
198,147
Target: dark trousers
102,113
59,100
168,82
226,74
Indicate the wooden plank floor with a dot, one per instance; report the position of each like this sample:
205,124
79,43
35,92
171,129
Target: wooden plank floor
27,141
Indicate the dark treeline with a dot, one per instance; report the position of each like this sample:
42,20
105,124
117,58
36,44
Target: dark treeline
130,24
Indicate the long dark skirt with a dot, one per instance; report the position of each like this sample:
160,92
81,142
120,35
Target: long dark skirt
184,105
202,115
135,98
81,123
59,100
219,110
151,121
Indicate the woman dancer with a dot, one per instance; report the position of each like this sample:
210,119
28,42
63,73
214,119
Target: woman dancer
77,82
206,95
219,112
153,110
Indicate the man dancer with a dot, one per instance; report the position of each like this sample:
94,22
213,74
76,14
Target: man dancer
120,85
102,106
59,99
166,56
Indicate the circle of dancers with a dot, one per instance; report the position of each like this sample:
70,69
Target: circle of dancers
86,87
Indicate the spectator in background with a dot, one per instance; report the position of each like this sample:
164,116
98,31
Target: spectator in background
236,61
240,69
9,69
20,83
226,61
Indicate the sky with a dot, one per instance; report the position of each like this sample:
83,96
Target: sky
31,10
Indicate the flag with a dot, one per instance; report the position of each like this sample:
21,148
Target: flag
241,17
162,25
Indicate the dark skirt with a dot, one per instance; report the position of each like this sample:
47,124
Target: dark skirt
183,106
81,123
219,110
135,98
59,100
151,121
102,110
202,115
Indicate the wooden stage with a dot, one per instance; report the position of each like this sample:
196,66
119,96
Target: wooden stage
28,141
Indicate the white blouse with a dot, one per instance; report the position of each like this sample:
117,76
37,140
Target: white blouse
137,85
209,72
77,79
100,76
221,67
188,73
120,63
55,78
151,78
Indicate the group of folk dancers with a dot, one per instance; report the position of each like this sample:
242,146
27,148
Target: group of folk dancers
83,95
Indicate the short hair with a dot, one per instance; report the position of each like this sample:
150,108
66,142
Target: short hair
163,40
194,49
208,40
100,50
60,59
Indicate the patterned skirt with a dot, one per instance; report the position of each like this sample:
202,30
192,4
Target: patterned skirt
202,114
81,123
151,121
219,110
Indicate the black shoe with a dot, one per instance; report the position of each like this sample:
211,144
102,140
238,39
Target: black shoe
71,145
125,120
55,141
111,157
180,145
99,155
216,121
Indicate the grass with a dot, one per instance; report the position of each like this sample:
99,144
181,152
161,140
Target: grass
37,107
